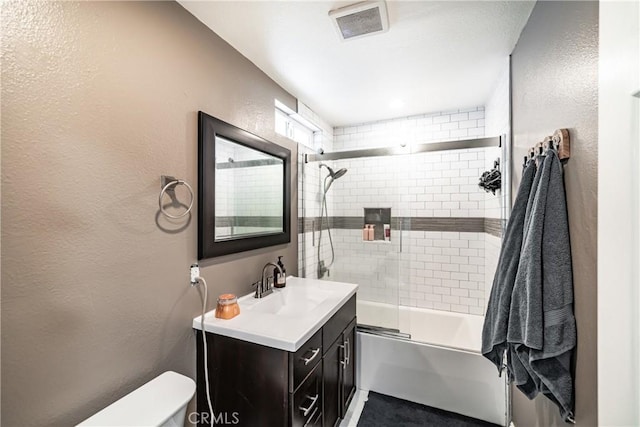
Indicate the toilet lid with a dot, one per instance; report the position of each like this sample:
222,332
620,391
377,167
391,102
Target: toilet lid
150,405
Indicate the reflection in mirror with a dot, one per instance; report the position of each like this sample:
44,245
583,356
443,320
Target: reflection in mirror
249,190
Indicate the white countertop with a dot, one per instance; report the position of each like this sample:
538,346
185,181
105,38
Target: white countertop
287,318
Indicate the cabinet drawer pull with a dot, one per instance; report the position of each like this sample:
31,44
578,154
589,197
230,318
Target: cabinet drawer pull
305,411
309,421
314,354
317,418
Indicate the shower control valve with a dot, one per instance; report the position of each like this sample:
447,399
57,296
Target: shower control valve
322,270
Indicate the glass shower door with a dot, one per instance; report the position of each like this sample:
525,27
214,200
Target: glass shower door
359,192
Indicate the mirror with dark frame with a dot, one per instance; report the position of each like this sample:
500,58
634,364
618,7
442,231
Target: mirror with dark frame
244,191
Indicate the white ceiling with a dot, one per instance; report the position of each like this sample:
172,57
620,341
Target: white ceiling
437,55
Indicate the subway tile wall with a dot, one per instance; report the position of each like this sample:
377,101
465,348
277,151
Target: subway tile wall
310,196
438,270
445,272
422,128
498,206
375,266
309,202
497,123
443,184
492,246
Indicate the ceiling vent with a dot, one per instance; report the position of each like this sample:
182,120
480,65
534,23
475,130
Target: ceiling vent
360,19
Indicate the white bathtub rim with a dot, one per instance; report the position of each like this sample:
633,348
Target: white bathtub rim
426,344
403,318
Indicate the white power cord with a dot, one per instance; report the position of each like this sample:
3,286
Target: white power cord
195,280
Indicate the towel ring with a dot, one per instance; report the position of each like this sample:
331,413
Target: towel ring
168,184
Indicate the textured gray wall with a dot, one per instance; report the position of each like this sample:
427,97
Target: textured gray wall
555,85
98,101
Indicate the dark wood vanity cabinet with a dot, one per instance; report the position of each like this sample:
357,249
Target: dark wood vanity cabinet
339,376
349,372
305,406
256,385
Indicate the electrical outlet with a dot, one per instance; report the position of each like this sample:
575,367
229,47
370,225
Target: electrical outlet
195,273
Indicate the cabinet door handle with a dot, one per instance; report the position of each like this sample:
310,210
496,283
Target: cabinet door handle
346,358
305,411
348,350
309,421
314,354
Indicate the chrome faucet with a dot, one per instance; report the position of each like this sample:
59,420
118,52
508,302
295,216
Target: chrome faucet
265,285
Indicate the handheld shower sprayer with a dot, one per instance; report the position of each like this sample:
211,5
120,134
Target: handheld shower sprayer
328,180
333,175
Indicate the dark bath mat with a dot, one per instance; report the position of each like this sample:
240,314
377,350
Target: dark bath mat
386,411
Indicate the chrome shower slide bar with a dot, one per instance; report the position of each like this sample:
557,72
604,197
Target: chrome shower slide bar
495,141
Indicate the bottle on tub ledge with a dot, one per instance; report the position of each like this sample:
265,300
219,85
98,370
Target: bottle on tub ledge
280,280
387,232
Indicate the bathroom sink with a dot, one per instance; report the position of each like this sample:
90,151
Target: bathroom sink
285,319
292,302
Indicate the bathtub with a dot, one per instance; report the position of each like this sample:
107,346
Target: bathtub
440,366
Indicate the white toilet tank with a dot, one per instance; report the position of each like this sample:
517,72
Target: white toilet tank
162,402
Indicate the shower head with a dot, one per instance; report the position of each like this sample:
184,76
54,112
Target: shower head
339,173
334,175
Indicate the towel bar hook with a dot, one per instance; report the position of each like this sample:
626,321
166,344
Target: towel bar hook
560,141
168,185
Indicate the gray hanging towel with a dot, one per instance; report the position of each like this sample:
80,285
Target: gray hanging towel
542,329
494,331
520,373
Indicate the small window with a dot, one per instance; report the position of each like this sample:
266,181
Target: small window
282,122
293,126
